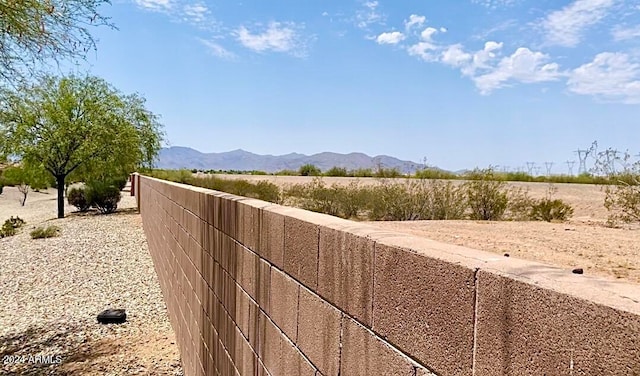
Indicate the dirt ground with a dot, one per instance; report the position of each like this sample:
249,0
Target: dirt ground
582,242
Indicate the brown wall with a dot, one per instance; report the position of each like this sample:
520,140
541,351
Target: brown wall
254,288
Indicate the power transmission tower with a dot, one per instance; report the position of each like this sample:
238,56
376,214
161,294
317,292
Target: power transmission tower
530,166
570,164
548,165
582,155
537,170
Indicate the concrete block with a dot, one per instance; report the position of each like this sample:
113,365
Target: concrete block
272,238
425,307
345,272
319,332
301,244
283,307
248,270
294,363
363,353
264,285
270,345
524,329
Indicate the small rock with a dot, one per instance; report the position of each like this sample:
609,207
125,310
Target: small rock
577,271
506,255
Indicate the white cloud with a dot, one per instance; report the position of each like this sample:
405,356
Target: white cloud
523,65
428,33
217,50
443,29
621,33
414,20
610,76
277,37
427,51
494,4
454,55
394,37
369,15
155,5
196,12
566,27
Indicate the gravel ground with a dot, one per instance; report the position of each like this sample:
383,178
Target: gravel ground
52,290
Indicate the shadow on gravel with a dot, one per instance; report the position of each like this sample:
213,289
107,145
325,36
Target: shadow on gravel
67,349
42,350
94,212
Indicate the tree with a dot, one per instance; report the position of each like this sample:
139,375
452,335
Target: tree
78,127
309,170
35,32
26,178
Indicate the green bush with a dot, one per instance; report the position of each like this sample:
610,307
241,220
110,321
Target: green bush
487,197
336,171
387,173
309,170
104,196
10,226
78,198
48,232
363,173
548,210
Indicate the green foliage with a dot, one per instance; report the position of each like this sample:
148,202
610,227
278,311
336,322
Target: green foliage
387,173
261,190
363,173
103,195
487,197
26,178
78,198
288,173
37,32
434,173
549,210
10,226
336,171
79,128
45,232
309,170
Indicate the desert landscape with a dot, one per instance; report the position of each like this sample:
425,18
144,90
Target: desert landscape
584,241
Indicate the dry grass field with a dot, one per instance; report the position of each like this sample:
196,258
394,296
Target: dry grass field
582,242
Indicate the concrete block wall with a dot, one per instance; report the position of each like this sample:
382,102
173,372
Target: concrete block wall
254,288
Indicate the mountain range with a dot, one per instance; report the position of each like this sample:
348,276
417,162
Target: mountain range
177,157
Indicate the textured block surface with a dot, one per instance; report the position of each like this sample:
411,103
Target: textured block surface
523,329
426,308
345,272
301,251
319,332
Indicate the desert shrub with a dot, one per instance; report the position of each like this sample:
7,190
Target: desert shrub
622,188
103,196
487,197
387,173
287,173
392,201
445,201
45,232
336,171
435,173
519,205
363,173
547,210
78,198
10,226
309,170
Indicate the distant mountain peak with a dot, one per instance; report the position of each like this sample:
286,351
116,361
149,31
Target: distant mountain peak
184,157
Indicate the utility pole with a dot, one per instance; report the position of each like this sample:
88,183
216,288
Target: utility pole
570,165
548,165
582,155
530,166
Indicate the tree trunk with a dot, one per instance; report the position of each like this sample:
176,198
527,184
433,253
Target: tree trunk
60,186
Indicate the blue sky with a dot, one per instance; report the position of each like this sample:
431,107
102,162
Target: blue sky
463,83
